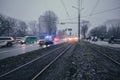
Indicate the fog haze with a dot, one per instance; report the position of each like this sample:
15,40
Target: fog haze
28,10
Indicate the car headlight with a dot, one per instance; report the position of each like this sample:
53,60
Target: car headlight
23,41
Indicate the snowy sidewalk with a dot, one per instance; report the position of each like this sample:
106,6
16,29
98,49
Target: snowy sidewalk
103,43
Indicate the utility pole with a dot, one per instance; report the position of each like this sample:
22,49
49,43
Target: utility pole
79,19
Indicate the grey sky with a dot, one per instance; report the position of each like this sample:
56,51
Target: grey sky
28,10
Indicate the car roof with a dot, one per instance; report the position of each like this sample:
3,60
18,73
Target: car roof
11,38
42,39
5,37
30,36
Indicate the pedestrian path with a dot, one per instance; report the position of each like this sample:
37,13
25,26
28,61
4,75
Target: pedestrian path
103,43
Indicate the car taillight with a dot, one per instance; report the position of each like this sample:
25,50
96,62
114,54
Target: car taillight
56,39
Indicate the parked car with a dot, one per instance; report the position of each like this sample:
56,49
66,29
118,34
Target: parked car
6,41
111,40
94,38
29,39
45,42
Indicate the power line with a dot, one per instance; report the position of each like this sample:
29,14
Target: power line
95,6
69,19
106,11
81,4
65,9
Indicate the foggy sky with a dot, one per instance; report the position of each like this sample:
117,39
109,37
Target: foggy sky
28,10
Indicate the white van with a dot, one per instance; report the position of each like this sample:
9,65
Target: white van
6,41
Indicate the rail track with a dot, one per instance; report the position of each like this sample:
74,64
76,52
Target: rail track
109,53
32,69
111,48
48,65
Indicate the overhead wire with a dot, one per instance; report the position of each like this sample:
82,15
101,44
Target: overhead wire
92,12
104,11
65,9
95,6
68,19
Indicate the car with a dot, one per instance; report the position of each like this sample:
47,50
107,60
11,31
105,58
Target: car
45,42
94,38
111,40
29,39
56,39
6,41
18,39
41,42
71,39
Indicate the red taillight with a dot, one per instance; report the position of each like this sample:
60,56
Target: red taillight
56,39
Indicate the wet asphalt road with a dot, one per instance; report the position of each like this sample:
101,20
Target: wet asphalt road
18,49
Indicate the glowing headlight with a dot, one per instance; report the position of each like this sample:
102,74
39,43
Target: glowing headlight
23,41
70,39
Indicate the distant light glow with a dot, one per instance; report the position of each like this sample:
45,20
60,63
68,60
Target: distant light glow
48,37
56,39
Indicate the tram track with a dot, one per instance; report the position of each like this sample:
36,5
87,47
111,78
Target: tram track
11,63
110,53
47,66
31,68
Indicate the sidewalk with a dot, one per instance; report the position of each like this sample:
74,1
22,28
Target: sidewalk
103,43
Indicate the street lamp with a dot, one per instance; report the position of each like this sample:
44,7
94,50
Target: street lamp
78,17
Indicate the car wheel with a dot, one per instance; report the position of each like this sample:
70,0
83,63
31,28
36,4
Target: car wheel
9,44
41,45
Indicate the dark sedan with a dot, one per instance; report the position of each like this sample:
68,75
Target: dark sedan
45,42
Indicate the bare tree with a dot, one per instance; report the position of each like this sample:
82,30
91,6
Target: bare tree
42,25
84,28
1,25
99,31
50,20
114,30
22,28
61,33
5,26
33,27
12,27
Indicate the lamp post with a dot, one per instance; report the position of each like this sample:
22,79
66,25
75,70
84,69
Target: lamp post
78,8
79,19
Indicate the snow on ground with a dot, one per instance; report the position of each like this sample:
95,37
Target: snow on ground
103,43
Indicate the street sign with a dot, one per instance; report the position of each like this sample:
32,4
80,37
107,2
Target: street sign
69,29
